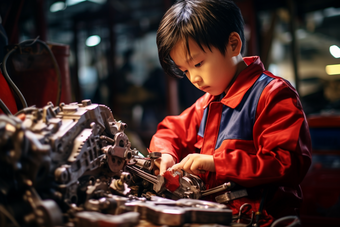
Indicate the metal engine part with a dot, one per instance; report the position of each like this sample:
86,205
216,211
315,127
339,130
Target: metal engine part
161,211
72,164
68,154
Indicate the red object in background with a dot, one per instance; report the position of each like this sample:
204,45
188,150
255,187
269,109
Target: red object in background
331,121
321,204
321,186
7,96
34,74
61,53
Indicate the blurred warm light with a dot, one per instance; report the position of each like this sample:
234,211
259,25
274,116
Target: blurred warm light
57,6
333,69
93,41
335,51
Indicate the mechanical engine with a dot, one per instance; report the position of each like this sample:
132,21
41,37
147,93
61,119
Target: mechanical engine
72,164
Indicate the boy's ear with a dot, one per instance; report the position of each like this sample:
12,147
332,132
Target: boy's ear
235,43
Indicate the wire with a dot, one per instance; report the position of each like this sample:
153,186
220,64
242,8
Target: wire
4,108
25,110
55,64
295,221
8,215
12,84
265,193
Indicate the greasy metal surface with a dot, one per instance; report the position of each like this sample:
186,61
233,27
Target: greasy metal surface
162,211
73,165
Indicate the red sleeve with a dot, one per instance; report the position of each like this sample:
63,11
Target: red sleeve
177,135
281,139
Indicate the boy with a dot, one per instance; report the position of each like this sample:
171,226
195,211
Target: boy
249,127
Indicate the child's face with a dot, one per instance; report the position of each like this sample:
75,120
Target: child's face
209,71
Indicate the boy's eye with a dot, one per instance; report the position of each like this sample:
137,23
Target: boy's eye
199,64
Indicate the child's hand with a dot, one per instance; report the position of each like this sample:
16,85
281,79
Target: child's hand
163,163
196,164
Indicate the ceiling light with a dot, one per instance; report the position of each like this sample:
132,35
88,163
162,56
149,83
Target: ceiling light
92,41
333,69
335,51
74,2
57,6
98,1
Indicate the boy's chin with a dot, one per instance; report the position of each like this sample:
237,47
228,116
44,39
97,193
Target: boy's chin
213,93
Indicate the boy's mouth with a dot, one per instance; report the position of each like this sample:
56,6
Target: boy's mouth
203,88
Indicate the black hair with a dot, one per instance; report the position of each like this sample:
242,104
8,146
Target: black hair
208,22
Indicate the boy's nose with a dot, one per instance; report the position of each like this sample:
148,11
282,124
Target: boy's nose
196,79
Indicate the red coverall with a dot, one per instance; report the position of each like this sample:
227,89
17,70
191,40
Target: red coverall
257,134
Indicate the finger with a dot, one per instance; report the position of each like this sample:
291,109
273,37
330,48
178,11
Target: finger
157,162
162,169
187,167
177,167
156,168
156,172
197,167
185,159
